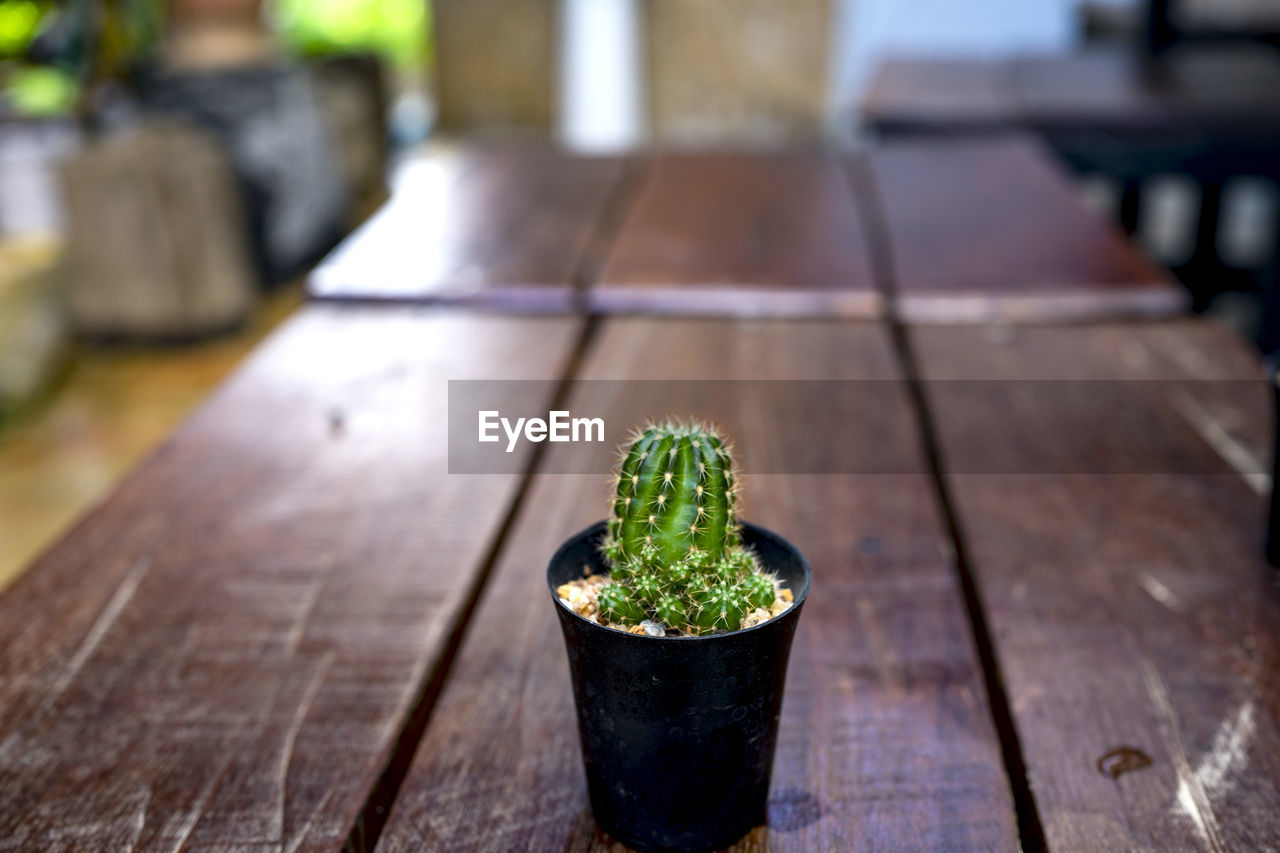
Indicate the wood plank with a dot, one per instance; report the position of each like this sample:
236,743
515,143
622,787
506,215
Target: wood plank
1094,88
1128,610
991,229
741,234
885,741
1113,90
939,96
1107,90
223,653
503,224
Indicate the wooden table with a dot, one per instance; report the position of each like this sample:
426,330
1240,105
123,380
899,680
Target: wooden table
1102,90
500,225
294,629
1212,113
765,234
988,229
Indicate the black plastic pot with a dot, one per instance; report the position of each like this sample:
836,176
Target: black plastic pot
678,733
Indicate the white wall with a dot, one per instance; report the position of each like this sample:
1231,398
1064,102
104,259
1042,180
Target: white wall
601,75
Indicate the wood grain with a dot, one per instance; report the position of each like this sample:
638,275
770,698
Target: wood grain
224,652
741,234
1127,610
991,229
501,224
885,740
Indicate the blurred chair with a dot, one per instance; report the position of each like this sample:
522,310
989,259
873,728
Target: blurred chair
752,72
1167,22
155,243
494,64
34,339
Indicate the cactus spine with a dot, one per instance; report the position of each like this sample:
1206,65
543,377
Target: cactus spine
674,544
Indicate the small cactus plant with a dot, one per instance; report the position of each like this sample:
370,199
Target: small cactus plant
674,546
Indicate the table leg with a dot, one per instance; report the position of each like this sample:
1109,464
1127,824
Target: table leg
1130,204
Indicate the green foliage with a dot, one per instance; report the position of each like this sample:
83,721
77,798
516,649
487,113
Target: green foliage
399,30
674,541
40,92
19,22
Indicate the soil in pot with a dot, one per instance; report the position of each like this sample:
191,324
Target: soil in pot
580,596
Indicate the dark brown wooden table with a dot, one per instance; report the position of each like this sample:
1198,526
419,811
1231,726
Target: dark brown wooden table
1210,112
1103,90
501,225
989,229
1040,616
986,229
763,234
1128,612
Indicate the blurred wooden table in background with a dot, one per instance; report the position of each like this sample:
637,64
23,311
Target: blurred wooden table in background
1207,112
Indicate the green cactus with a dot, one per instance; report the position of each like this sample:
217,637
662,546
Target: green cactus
674,545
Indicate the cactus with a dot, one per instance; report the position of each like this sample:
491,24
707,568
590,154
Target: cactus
674,545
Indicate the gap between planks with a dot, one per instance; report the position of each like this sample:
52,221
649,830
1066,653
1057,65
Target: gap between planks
875,224
608,225
367,829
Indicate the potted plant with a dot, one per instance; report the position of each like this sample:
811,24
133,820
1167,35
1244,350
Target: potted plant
678,620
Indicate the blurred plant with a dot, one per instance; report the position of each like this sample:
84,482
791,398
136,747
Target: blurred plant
19,22
51,52
42,92
399,30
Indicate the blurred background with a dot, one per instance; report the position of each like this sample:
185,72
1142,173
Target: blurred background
170,169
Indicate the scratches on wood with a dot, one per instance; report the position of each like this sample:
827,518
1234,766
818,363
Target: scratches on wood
884,742
110,613
1234,452
106,618
144,802
249,670
1191,796
1161,593
1129,609
291,738
1212,778
192,816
